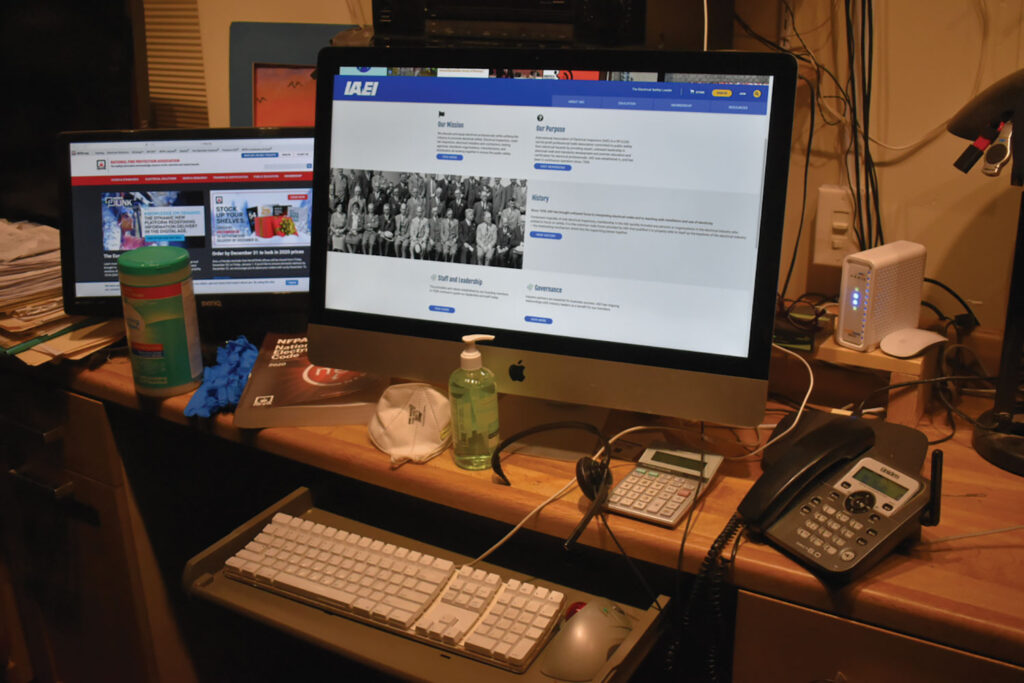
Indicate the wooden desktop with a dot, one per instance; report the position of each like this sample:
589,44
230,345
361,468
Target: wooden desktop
940,611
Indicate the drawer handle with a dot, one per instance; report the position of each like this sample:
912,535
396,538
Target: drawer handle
60,496
42,436
54,491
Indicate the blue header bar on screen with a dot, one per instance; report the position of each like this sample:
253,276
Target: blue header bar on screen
683,97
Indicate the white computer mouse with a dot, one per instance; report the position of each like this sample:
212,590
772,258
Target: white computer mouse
909,342
586,641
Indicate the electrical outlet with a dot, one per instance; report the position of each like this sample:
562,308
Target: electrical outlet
833,226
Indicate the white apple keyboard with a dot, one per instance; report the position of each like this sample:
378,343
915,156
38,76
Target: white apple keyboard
472,612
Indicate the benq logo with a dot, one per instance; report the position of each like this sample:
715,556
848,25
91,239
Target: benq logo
362,89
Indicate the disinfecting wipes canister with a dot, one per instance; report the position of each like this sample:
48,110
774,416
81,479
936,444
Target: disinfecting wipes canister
160,320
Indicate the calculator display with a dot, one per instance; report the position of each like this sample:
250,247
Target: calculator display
678,461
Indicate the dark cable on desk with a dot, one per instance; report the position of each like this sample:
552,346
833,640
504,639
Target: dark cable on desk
803,200
935,309
689,521
705,595
967,322
632,565
859,410
570,424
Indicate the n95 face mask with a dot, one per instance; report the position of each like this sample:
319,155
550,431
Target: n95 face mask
411,423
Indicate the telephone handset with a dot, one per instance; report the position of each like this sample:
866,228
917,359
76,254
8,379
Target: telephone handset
835,505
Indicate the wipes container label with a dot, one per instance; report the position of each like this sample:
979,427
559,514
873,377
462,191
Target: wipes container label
161,327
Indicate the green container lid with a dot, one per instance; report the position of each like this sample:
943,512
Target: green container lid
152,260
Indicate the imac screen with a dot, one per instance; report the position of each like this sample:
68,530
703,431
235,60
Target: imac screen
240,201
622,208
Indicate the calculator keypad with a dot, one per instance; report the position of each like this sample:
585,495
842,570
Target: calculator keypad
654,496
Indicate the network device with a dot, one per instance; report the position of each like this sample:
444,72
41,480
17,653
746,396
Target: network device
880,293
640,268
239,200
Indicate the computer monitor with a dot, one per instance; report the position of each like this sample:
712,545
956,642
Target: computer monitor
239,200
631,252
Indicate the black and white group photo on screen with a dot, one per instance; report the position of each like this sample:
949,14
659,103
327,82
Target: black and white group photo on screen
428,216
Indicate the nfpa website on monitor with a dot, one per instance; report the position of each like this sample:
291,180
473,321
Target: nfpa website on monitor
577,208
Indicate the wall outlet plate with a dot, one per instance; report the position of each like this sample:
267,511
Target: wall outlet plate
834,237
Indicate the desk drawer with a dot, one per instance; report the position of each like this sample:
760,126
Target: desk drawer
46,430
778,641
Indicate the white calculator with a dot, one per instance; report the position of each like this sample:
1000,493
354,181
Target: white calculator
664,485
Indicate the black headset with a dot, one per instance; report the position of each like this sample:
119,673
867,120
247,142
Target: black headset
593,475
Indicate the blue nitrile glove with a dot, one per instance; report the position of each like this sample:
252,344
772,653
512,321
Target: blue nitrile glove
223,383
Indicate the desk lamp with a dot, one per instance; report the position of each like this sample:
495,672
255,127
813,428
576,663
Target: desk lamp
994,122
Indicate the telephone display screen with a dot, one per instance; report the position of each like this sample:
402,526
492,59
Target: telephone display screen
678,461
880,483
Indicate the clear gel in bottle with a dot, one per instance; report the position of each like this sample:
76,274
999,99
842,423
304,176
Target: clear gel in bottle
473,396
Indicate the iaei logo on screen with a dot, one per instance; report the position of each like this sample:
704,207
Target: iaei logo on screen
362,89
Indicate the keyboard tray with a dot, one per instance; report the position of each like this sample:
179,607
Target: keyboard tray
204,577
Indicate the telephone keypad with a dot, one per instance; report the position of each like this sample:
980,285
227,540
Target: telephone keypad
828,529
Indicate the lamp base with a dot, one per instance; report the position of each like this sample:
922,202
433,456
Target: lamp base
1004,449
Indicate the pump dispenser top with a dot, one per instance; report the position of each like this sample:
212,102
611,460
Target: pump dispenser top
471,358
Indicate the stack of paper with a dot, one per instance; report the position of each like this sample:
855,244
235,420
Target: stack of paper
33,325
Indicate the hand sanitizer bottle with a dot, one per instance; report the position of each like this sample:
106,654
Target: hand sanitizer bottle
473,396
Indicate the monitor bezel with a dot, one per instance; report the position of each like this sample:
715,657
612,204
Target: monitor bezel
275,302
754,367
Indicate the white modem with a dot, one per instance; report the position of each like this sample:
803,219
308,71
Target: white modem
880,292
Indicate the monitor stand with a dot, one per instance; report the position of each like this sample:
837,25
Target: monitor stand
1003,444
516,413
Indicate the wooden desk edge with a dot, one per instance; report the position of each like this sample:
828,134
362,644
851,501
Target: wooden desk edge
876,599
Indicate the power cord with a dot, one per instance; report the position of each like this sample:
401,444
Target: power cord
965,322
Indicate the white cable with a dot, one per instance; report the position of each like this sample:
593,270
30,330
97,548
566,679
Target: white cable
844,118
800,410
558,494
975,534
572,483
705,25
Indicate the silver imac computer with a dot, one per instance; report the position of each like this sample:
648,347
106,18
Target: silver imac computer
613,218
